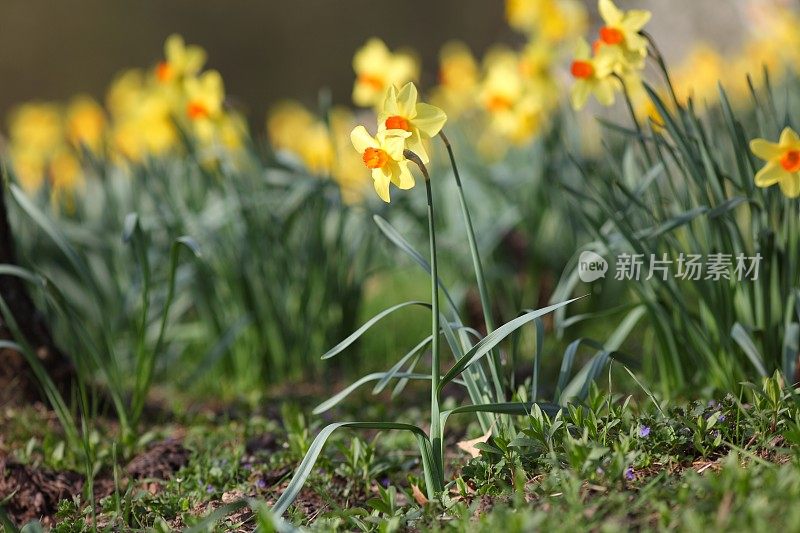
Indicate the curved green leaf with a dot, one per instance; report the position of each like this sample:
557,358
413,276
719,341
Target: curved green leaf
307,464
344,393
496,337
339,348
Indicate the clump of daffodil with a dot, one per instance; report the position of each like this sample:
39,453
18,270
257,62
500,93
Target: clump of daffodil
458,79
783,162
383,155
377,68
324,150
593,76
36,132
401,111
618,55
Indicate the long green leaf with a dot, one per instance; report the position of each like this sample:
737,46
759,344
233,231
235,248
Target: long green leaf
742,338
307,464
353,337
496,337
344,393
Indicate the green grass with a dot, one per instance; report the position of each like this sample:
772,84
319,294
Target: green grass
618,463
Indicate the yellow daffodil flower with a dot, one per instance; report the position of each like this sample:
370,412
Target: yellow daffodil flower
204,97
39,127
783,162
593,75
551,20
180,61
29,167
622,29
377,68
287,122
86,123
503,85
349,171
401,111
65,178
458,78
383,154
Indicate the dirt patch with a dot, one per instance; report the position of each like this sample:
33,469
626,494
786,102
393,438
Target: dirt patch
34,492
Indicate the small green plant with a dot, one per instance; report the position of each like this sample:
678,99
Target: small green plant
477,363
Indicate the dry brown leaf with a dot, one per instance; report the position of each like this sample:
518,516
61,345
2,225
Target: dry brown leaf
421,498
469,445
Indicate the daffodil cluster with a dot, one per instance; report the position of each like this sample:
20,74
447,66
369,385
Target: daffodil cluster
48,141
615,58
403,124
321,146
144,111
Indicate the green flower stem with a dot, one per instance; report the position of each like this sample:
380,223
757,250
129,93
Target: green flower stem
483,291
636,122
436,423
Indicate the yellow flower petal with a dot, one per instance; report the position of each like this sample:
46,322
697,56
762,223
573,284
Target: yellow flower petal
580,94
390,105
610,13
788,137
771,174
790,185
362,140
394,142
429,120
407,101
381,184
636,18
403,179
416,145
765,150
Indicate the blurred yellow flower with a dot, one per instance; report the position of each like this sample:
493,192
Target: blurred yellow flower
377,68
593,76
39,127
551,20
86,123
698,74
204,97
401,111
180,61
783,162
383,154
502,86
65,177
29,167
291,127
349,170
148,128
458,78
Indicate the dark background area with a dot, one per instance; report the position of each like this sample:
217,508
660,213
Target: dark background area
265,50
272,49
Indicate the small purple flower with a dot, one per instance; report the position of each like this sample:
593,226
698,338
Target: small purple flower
629,474
713,403
721,418
715,433
644,431
261,484
385,482
210,489
247,466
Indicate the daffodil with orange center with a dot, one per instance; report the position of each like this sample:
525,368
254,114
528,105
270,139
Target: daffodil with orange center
180,61
204,97
377,68
622,29
401,111
593,76
783,162
383,155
